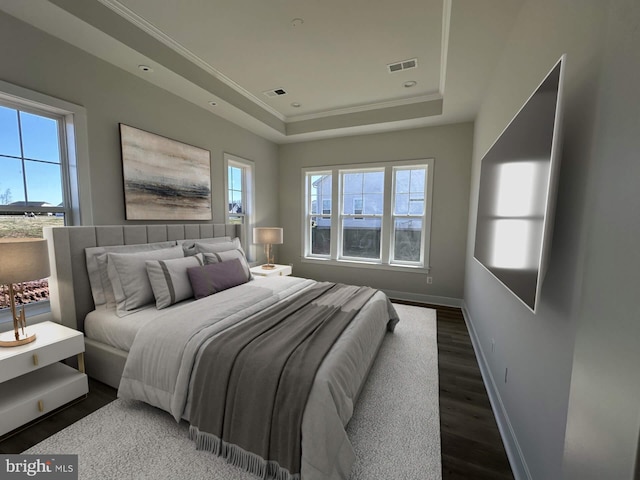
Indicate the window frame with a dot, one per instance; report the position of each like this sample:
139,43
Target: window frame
425,217
362,216
64,164
387,240
74,149
308,212
248,197
76,180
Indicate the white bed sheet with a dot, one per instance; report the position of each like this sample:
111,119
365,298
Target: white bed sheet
106,327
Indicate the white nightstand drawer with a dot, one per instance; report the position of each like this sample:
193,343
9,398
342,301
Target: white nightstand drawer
45,350
26,398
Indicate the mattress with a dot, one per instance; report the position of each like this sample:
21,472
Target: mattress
105,326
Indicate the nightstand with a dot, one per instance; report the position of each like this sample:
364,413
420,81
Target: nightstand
33,382
278,271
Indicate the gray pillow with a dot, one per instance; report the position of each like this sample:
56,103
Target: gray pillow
215,277
219,247
128,276
169,279
189,245
210,258
97,269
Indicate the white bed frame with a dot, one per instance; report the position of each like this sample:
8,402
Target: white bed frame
69,288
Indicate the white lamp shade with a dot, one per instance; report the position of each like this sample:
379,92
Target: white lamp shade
23,260
267,235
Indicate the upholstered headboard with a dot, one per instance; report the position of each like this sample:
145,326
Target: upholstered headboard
69,288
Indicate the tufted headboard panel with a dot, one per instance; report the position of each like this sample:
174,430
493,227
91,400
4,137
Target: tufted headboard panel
69,288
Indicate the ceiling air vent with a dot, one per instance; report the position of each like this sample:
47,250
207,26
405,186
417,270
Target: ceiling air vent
276,92
403,65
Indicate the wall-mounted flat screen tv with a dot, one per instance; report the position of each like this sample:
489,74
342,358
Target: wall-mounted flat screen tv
518,182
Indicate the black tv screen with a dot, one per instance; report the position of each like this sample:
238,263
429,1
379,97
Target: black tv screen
518,180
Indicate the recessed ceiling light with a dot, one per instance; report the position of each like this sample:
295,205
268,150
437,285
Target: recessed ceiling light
145,68
410,83
212,103
296,105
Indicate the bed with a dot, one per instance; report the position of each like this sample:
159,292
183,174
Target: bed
123,344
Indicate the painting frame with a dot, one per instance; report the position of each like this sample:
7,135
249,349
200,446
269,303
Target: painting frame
164,179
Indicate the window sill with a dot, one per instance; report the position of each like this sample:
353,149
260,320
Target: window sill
366,265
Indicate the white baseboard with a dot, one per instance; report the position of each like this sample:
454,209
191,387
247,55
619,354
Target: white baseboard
419,297
509,439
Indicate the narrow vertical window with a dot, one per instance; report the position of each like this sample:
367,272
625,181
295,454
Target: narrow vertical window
319,212
362,211
236,194
239,187
409,208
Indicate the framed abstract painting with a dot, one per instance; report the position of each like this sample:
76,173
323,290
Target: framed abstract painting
164,179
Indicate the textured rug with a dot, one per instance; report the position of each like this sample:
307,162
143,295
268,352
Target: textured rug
395,428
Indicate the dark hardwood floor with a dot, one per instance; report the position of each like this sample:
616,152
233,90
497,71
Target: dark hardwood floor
472,447
471,444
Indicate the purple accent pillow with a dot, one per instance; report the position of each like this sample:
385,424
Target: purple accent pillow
215,277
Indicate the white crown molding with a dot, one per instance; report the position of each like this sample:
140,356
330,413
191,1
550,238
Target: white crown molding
446,26
159,35
364,108
156,33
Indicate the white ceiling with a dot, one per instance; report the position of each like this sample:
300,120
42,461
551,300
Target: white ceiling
330,56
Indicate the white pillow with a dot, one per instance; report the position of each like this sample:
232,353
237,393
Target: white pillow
169,279
97,269
128,276
229,255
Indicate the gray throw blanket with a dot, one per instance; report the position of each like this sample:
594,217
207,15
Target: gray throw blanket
252,382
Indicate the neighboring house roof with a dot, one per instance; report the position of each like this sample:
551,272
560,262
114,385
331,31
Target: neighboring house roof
30,204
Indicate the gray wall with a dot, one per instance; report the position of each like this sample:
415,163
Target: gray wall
450,146
35,60
587,296
604,403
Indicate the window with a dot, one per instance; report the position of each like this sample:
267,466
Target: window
383,214
239,187
31,152
236,194
361,217
408,214
40,140
318,222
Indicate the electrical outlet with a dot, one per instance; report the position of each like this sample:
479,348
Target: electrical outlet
506,372
429,280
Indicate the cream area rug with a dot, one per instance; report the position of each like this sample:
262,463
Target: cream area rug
395,428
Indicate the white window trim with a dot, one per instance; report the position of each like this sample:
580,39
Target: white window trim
76,145
248,198
358,216
386,241
425,217
307,211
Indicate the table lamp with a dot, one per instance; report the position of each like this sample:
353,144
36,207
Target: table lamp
21,260
268,236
